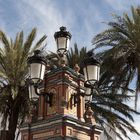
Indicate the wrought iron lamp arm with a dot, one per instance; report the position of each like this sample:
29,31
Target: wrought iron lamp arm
76,96
93,89
48,96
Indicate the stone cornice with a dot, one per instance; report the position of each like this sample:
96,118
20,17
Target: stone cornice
60,120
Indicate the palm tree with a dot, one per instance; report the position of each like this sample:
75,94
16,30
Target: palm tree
108,106
75,56
14,103
121,55
111,111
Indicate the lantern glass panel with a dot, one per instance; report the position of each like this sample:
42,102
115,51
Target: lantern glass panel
91,73
88,92
61,44
32,94
37,72
68,42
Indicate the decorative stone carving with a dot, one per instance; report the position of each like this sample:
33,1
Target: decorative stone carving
88,116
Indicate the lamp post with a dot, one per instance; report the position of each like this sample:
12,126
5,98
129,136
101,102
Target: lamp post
62,39
91,69
37,66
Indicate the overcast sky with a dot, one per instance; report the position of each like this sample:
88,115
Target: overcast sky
83,18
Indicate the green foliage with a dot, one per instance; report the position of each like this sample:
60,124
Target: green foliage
121,43
75,56
13,72
110,110
119,47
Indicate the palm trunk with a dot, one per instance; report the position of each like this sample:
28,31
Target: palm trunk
13,124
13,119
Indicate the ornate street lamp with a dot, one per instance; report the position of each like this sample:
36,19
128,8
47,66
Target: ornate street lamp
37,66
91,68
62,39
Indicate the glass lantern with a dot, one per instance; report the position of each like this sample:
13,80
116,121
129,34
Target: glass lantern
62,39
91,69
37,65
